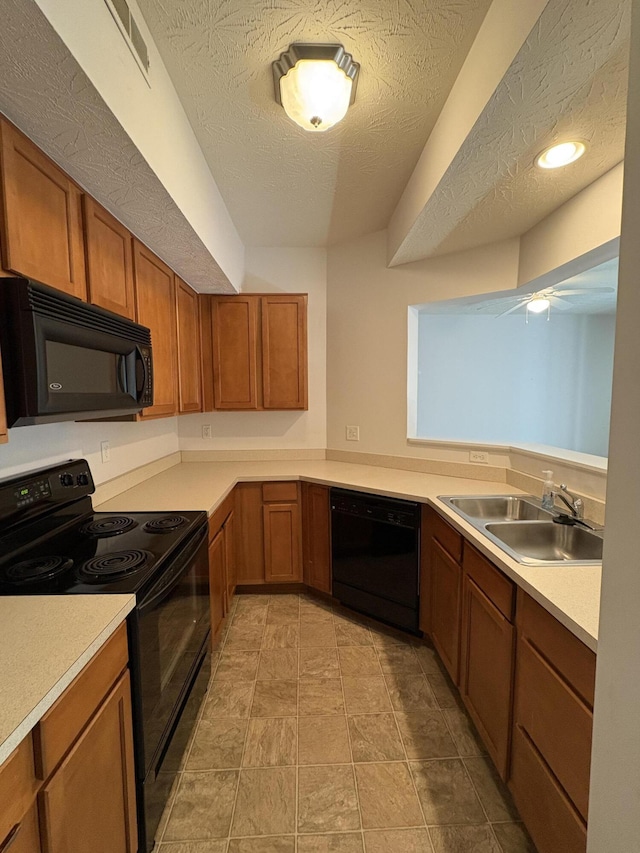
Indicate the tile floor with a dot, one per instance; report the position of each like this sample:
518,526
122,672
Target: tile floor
323,732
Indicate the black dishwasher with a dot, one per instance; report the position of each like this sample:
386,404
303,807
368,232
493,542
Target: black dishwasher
375,548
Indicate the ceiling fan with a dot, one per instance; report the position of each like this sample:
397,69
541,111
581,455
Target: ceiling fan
542,300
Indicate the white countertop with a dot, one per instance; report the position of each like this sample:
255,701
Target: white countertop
571,593
45,641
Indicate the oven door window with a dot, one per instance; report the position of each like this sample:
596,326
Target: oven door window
173,624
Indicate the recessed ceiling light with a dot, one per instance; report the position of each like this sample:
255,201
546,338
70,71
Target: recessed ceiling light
560,155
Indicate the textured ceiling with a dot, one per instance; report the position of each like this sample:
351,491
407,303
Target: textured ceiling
569,78
45,92
282,185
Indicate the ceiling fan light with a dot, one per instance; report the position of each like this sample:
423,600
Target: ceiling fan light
538,305
560,155
315,84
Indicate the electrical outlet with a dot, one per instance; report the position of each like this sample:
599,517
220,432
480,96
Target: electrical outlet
206,430
353,433
479,456
105,451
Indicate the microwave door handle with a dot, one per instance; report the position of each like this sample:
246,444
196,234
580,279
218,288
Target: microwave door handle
122,373
140,386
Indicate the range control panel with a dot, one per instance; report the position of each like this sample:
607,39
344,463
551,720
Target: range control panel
36,491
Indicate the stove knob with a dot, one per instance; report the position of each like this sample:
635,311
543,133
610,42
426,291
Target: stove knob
66,479
82,479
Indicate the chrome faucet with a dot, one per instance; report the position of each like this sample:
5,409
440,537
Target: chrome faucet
573,503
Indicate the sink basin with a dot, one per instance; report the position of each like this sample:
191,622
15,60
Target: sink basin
546,542
499,508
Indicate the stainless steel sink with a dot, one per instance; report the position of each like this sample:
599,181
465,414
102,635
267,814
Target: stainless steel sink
523,529
547,542
500,508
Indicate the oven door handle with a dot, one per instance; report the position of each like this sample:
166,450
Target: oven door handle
169,582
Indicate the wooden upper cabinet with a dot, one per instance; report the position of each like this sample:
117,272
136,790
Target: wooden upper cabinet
284,351
109,260
155,304
42,234
189,368
234,327
206,351
259,346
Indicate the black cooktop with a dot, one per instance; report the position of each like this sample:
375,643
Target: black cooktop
95,552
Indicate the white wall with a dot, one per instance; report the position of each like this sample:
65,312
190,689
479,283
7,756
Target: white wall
131,445
277,271
153,118
367,307
488,379
614,817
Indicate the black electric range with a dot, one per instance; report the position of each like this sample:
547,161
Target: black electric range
53,543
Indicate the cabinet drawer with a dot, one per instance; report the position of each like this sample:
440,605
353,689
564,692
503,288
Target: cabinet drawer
567,653
18,786
63,722
496,586
279,492
556,720
449,538
219,516
553,823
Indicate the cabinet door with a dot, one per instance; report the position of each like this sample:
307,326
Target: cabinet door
249,533
316,514
230,556
282,546
24,837
89,805
109,260
206,351
284,352
446,588
234,352
487,661
188,348
156,309
42,236
217,580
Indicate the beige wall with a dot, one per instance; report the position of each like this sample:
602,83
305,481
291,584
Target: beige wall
367,307
588,221
276,271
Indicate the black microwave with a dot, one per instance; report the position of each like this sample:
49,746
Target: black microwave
63,359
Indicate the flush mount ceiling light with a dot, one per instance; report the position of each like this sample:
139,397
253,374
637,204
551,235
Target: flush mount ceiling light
315,84
560,155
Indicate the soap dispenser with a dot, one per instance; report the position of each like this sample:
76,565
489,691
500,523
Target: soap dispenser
547,490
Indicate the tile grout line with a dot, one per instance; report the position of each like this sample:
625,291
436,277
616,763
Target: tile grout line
404,749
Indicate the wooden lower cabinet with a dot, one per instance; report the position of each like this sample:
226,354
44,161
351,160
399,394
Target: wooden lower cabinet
222,562
88,805
445,604
552,727
217,581
70,785
268,525
316,527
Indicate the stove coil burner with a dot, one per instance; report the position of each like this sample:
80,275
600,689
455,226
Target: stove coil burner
111,526
114,566
37,569
166,524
